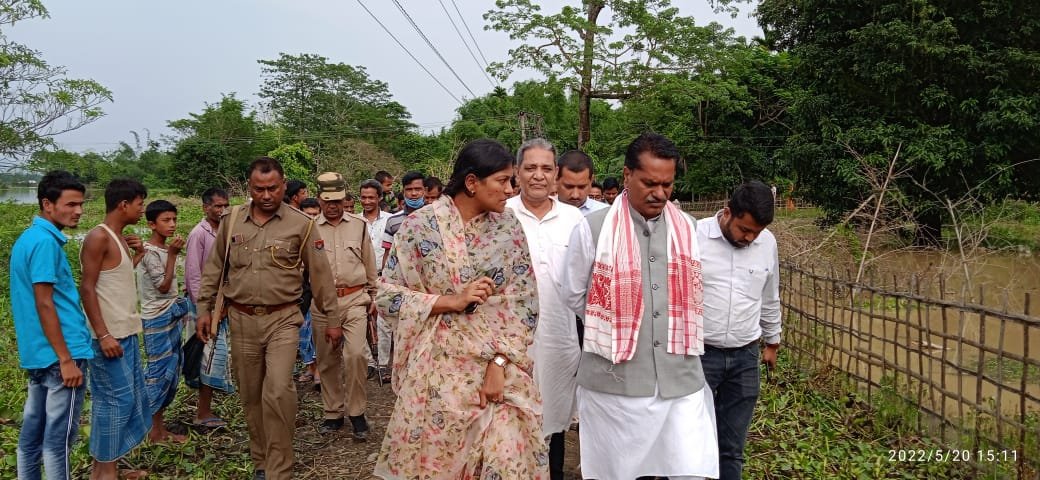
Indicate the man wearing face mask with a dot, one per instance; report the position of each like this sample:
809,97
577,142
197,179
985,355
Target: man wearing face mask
741,307
414,191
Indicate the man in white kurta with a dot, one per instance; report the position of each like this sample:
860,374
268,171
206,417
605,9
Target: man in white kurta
645,408
547,224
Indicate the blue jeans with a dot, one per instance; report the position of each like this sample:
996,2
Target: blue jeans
733,375
50,424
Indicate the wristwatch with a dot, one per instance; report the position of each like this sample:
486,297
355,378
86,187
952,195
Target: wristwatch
500,360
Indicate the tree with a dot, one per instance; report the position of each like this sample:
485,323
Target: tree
953,83
216,146
356,159
37,100
297,161
316,101
550,112
727,123
148,164
600,58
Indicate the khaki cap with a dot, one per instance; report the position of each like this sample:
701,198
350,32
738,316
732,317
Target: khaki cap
332,186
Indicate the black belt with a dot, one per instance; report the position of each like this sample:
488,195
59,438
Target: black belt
730,349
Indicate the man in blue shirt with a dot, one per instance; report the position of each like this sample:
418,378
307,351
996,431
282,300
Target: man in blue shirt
53,340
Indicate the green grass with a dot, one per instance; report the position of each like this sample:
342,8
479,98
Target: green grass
1012,224
810,425
1010,370
13,220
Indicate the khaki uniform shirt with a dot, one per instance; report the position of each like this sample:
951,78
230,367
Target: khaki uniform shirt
267,262
349,250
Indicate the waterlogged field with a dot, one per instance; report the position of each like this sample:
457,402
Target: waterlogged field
807,425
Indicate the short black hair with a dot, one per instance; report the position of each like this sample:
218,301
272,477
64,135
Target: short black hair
292,187
372,183
576,161
156,208
55,182
382,175
432,182
753,197
596,185
265,165
656,144
611,183
309,202
411,177
123,189
482,158
207,196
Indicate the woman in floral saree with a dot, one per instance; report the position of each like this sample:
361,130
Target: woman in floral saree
460,291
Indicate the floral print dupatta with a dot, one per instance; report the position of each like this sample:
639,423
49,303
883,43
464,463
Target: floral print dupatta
438,429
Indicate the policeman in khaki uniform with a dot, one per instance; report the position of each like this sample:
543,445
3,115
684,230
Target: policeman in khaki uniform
340,340
271,243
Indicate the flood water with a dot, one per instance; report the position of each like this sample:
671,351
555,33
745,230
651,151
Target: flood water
18,195
962,357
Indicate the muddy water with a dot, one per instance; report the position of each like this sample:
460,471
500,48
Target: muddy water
935,351
999,280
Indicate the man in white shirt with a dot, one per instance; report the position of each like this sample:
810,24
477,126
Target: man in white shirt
741,306
547,224
574,181
369,194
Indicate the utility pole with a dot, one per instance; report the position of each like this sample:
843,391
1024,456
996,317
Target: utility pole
531,126
523,127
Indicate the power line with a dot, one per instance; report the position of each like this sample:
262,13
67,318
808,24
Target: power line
464,42
470,32
388,32
430,44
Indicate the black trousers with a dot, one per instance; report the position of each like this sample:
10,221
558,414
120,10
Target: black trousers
556,451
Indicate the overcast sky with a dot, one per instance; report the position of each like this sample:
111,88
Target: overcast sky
164,60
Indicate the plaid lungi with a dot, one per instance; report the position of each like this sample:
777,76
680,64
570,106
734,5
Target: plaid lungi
119,417
162,345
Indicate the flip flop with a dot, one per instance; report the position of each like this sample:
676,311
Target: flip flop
211,422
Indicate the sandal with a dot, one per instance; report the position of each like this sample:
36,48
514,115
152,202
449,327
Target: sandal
305,377
211,422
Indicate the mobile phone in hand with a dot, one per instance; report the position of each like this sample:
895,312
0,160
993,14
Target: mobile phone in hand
472,307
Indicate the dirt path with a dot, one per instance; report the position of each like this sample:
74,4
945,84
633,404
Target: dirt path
318,456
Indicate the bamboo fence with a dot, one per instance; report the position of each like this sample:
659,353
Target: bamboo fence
967,375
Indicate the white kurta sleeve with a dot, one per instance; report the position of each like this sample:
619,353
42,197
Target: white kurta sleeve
577,269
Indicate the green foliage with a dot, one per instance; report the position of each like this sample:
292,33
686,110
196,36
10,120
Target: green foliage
605,49
39,100
150,165
810,424
216,146
953,84
727,123
297,160
317,102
